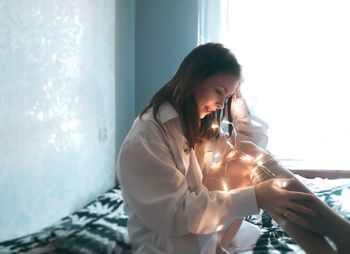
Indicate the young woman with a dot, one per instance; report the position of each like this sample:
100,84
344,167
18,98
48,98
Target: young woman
168,152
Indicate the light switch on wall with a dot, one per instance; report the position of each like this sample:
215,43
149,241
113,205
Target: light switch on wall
102,134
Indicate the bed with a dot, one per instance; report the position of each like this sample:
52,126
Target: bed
100,227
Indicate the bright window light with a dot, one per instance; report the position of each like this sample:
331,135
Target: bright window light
296,61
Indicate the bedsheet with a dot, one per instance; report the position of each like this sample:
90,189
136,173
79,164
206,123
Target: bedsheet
100,227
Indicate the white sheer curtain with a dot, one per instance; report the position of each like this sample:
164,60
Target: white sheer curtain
210,21
295,57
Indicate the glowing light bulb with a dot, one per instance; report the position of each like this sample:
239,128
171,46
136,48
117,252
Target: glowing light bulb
215,165
282,184
260,163
217,155
224,185
215,126
231,154
259,157
247,158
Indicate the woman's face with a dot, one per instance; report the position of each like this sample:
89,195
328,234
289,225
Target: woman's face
212,93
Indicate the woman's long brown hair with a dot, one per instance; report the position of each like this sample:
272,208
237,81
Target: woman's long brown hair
201,63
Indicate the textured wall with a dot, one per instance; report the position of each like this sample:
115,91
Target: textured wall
57,109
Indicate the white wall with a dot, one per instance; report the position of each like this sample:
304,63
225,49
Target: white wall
57,107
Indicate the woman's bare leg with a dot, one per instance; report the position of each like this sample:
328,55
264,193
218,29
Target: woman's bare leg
237,178
310,241
230,232
325,223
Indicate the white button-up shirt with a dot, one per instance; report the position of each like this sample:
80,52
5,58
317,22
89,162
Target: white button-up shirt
170,210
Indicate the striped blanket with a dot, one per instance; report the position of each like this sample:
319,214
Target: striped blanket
100,227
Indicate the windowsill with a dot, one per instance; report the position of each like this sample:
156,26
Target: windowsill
322,173
315,165
310,169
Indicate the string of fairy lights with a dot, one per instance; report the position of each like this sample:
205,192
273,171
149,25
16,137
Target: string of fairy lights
258,161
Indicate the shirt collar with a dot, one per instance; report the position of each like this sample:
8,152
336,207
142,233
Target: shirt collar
167,112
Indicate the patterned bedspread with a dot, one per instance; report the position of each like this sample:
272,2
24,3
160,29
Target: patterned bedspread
100,227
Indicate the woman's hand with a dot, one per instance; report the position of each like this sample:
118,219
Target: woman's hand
272,196
238,92
239,107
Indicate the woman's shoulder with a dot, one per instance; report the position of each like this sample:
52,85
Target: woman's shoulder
144,127
165,113
154,126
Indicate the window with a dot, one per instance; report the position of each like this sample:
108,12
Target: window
296,59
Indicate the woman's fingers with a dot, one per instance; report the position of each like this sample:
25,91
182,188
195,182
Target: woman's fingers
303,209
271,196
287,182
295,218
300,195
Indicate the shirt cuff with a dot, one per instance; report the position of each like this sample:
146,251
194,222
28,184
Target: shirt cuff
243,202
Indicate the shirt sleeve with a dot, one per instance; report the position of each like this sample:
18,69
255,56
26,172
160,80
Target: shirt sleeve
249,127
160,196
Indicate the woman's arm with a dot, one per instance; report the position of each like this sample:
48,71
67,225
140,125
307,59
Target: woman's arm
247,126
223,148
161,195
